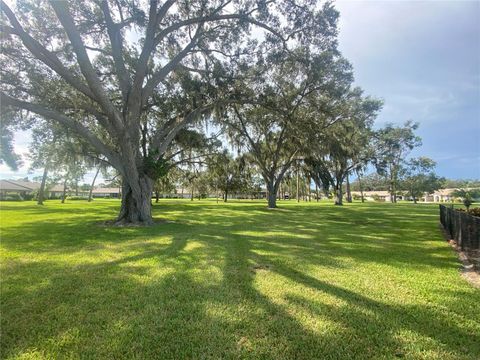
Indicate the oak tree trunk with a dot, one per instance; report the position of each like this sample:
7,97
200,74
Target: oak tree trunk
272,194
349,193
272,200
338,194
361,187
93,184
393,189
298,186
136,205
64,194
41,191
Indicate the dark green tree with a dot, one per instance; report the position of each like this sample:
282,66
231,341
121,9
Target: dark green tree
346,145
293,98
393,144
468,195
228,174
419,178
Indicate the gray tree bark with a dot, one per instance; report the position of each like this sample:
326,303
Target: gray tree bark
272,188
64,194
349,193
360,186
136,205
338,194
298,185
41,191
92,185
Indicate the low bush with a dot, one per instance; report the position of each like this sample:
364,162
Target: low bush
77,197
11,197
473,211
378,198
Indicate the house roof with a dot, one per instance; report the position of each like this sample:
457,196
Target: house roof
372,193
56,188
449,191
22,185
17,185
111,190
443,192
28,184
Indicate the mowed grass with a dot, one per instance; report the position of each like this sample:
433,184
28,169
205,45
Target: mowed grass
235,280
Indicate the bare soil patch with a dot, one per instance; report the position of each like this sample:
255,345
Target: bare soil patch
470,261
114,223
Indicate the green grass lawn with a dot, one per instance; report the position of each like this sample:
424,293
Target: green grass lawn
220,281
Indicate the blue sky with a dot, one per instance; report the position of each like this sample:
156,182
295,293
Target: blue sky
423,59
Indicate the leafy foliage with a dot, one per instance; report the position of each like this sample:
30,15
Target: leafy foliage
393,144
467,195
419,177
344,146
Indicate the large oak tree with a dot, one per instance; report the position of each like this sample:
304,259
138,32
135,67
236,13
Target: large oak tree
346,145
293,96
127,75
392,146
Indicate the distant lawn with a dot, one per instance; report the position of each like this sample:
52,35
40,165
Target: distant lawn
235,280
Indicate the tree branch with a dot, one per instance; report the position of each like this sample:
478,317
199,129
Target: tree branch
163,138
66,121
254,146
63,14
213,18
116,41
42,54
134,98
165,70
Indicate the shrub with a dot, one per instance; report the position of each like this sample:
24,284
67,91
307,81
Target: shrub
467,202
77,197
11,197
473,211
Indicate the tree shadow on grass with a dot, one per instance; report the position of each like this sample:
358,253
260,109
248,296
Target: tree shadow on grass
191,290
380,318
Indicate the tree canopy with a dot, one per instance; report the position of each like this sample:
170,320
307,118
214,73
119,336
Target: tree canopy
128,76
